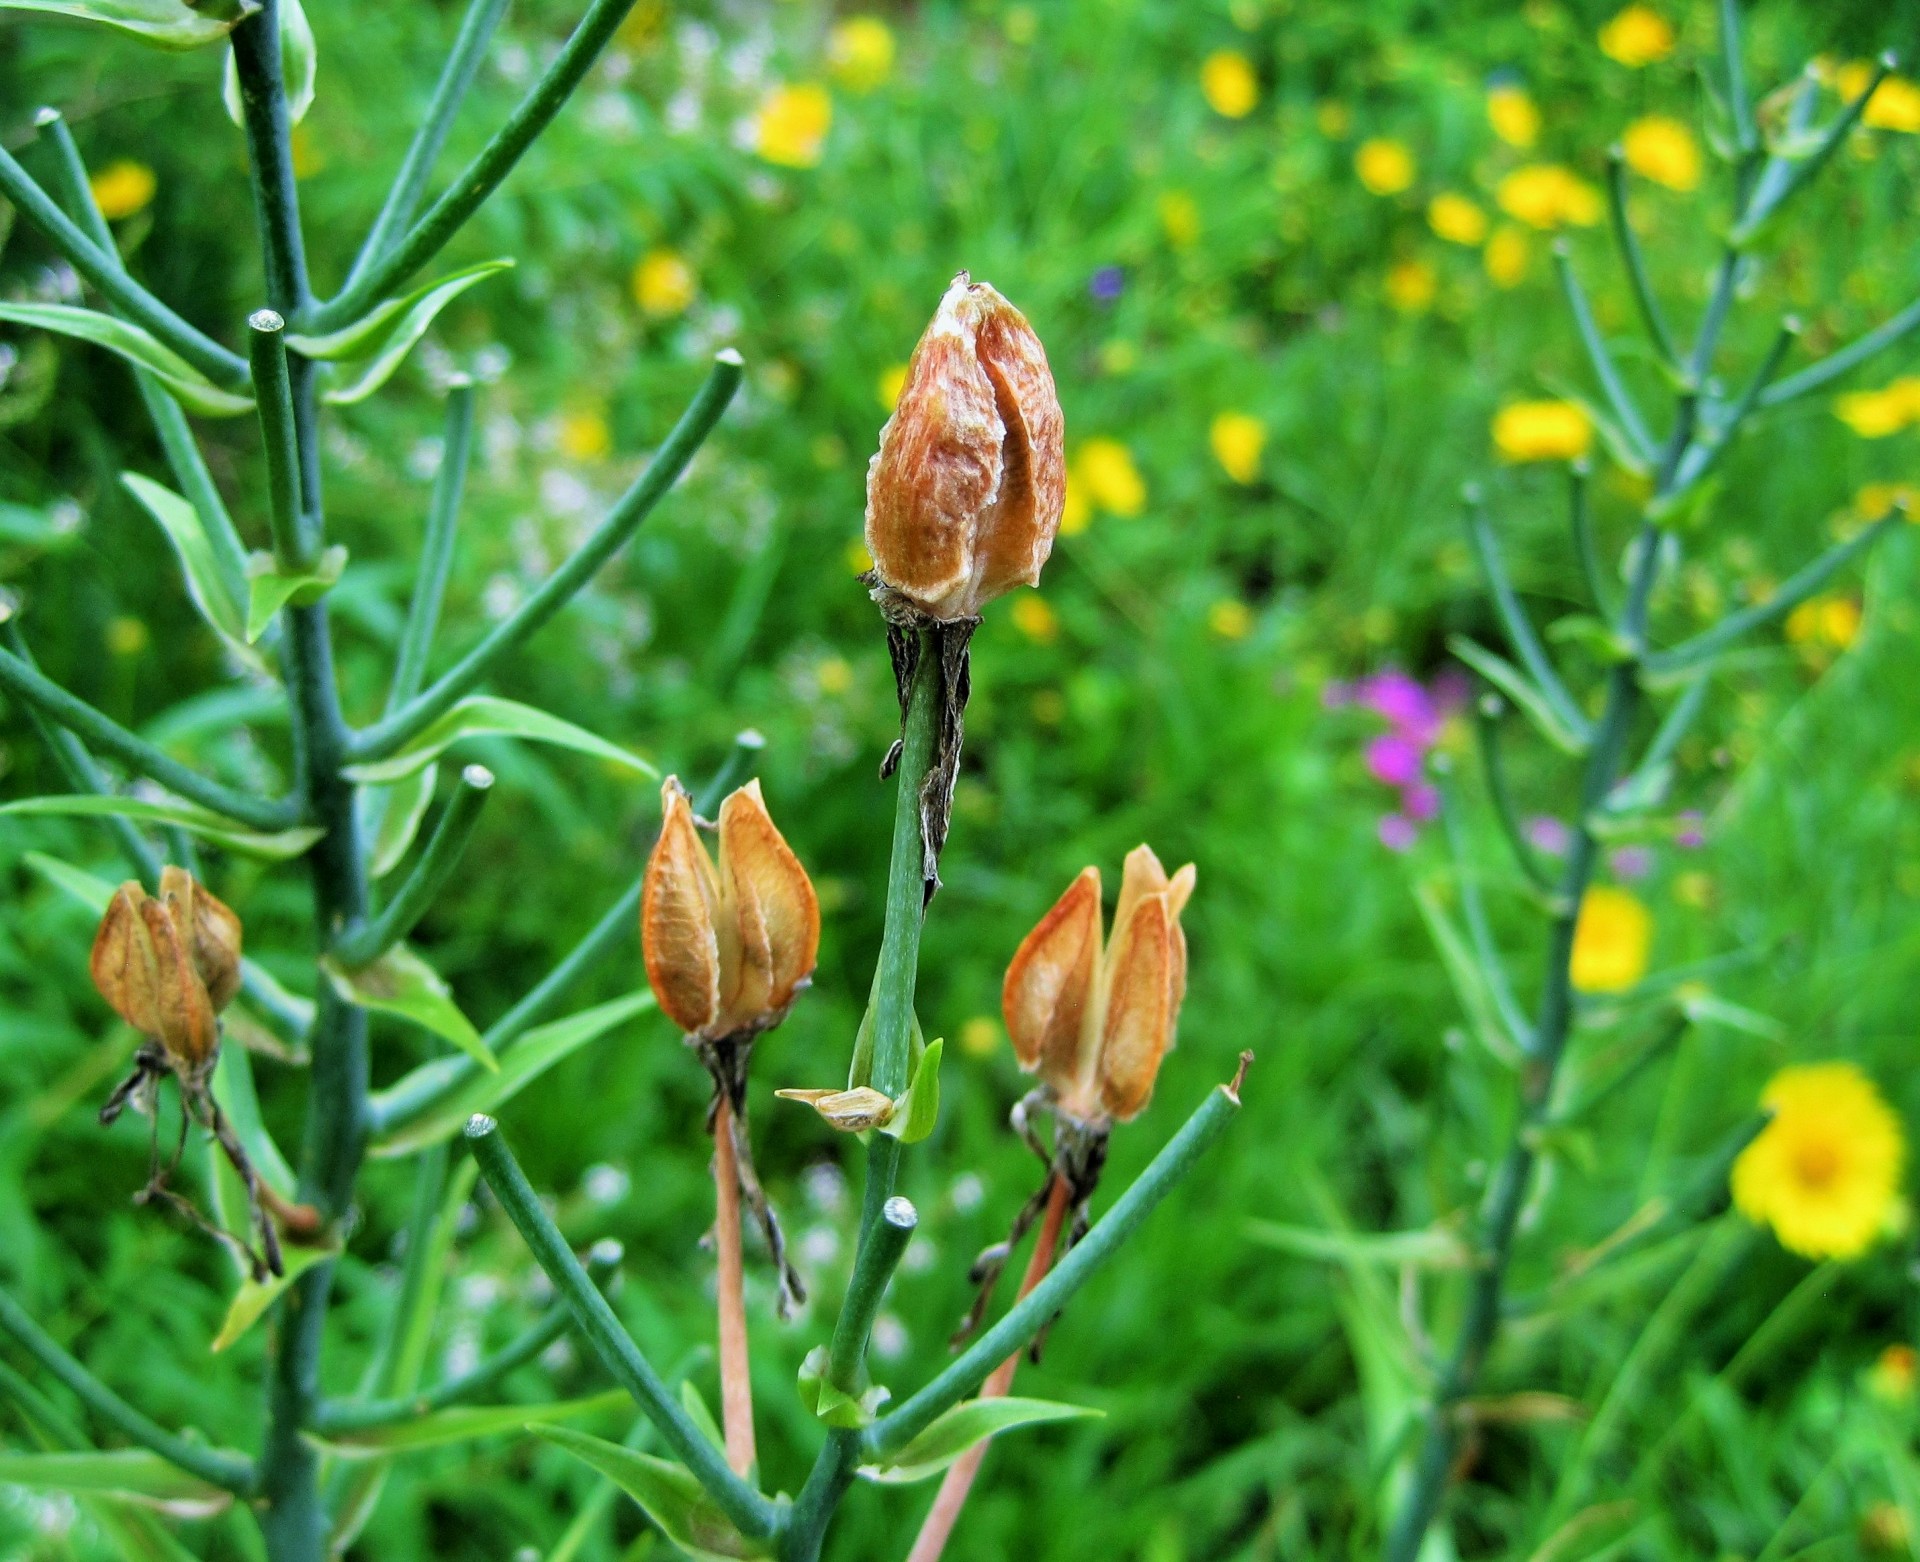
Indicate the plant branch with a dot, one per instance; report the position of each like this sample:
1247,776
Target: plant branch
293,547
1486,726
436,548
1830,368
1636,261
879,1256
1030,1315
1604,369
1703,454
1767,203
633,507
752,1514
366,942
229,1471
482,176
736,1365
1513,617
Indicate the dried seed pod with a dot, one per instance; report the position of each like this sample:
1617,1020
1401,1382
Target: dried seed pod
851,1111
213,929
965,493
1094,1025
169,965
726,949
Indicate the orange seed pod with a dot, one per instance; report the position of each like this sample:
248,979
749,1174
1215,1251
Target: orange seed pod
169,965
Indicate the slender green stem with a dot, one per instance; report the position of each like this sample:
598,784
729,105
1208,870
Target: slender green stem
107,275
1801,170
21,678
1739,106
813,1509
751,1513
1604,368
410,182
229,1471
633,507
482,176
1486,724
1636,262
879,1256
365,943
1585,546
1704,454
293,548
1793,591
1492,968
1031,1313
1513,617
1846,359
436,549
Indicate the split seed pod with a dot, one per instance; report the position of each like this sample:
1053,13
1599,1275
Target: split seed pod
726,948
965,493
169,964
1094,1023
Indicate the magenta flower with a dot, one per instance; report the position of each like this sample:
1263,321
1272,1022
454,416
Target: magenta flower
1415,713
1394,759
1547,834
1398,832
1628,863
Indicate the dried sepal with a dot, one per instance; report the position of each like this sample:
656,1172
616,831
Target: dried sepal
965,492
1138,1025
214,931
167,966
851,1111
1050,980
774,904
679,910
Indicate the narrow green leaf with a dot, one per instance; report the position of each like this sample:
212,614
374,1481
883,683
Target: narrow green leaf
192,389
374,346
133,1474
1435,1247
463,1423
1463,971
401,983
268,590
255,1296
970,1422
390,818
484,715
209,588
167,24
530,1057
55,526
1705,1008
698,1413
832,1405
1510,681
273,846
298,61
668,1492
918,1110
92,891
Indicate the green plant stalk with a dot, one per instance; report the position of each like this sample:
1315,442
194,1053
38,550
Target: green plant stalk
1845,359
365,943
751,1513
482,176
361,1415
1636,261
273,400
231,1472
879,1256
293,1518
436,549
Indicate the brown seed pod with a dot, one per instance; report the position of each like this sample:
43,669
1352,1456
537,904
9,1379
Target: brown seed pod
169,965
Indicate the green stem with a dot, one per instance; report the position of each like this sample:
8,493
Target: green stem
1846,359
1513,617
1802,169
436,548
410,182
230,1472
1604,369
1493,767
879,1256
1027,1317
273,399
751,1513
365,943
633,507
482,176
1636,262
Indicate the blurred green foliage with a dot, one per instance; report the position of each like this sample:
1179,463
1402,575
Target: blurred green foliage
1173,693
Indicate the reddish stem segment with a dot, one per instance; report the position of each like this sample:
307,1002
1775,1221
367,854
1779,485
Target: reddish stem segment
736,1387
945,1512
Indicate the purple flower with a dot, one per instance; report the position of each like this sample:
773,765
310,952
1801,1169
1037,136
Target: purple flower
1107,284
1547,834
1394,759
1630,862
1402,700
1420,800
1693,830
1398,832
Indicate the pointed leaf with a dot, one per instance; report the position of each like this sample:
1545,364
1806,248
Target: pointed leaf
373,347
255,1296
167,24
463,1423
918,1110
390,818
207,585
530,1057
401,983
484,715
298,60
973,1421
668,1492
192,389
832,1405
89,889
1513,683
1463,970
274,846
1435,1247
268,590
133,1474
700,1415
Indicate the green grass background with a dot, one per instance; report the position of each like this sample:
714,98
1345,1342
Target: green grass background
1248,1395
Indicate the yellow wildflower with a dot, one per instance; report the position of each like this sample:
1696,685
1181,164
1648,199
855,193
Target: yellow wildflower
860,51
791,127
1663,150
1237,438
1228,83
1825,1172
584,436
1875,499
1513,115
1637,36
892,381
1106,472
663,283
1456,219
1507,256
122,188
1876,414
1894,106
1180,216
1610,941
1542,431
980,1035
1385,166
1411,285
1230,619
1035,618
1827,623
1545,195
